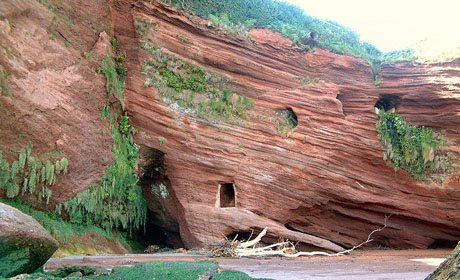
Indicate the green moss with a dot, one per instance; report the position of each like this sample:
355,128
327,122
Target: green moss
150,270
414,149
163,270
190,88
14,261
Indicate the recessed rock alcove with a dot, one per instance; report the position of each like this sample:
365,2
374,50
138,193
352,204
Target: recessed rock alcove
226,196
286,120
291,116
388,102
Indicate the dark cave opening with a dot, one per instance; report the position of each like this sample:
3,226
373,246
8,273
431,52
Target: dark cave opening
161,228
443,244
152,166
227,195
154,235
388,102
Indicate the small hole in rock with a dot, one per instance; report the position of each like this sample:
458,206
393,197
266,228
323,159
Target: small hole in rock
291,116
286,120
227,195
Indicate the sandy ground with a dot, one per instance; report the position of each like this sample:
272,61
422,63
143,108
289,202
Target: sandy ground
375,264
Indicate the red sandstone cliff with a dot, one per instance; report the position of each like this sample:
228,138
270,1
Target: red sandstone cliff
325,185
328,178
56,96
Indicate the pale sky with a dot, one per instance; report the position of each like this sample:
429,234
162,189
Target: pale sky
392,24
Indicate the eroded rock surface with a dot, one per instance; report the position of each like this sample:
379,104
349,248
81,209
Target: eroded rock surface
24,244
50,51
325,185
327,179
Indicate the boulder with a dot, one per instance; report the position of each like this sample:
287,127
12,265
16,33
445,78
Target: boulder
24,244
449,269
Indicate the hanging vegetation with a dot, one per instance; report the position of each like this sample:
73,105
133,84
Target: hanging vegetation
116,201
29,174
192,89
115,73
414,149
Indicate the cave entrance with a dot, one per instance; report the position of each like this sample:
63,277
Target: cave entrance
443,244
226,195
162,227
388,102
154,235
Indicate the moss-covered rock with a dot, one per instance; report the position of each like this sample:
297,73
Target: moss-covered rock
449,269
24,244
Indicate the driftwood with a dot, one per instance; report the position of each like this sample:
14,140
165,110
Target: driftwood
283,248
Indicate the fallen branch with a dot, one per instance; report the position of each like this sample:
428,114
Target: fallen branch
255,241
286,248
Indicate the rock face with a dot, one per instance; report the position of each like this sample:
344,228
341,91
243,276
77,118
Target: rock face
24,244
50,51
449,269
326,184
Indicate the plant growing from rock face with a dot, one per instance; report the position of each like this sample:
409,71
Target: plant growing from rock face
28,174
4,90
414,149
115,74
192,89
286,121
116,200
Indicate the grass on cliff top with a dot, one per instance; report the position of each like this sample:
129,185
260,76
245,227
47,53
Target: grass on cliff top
289,20
293,23
175,270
